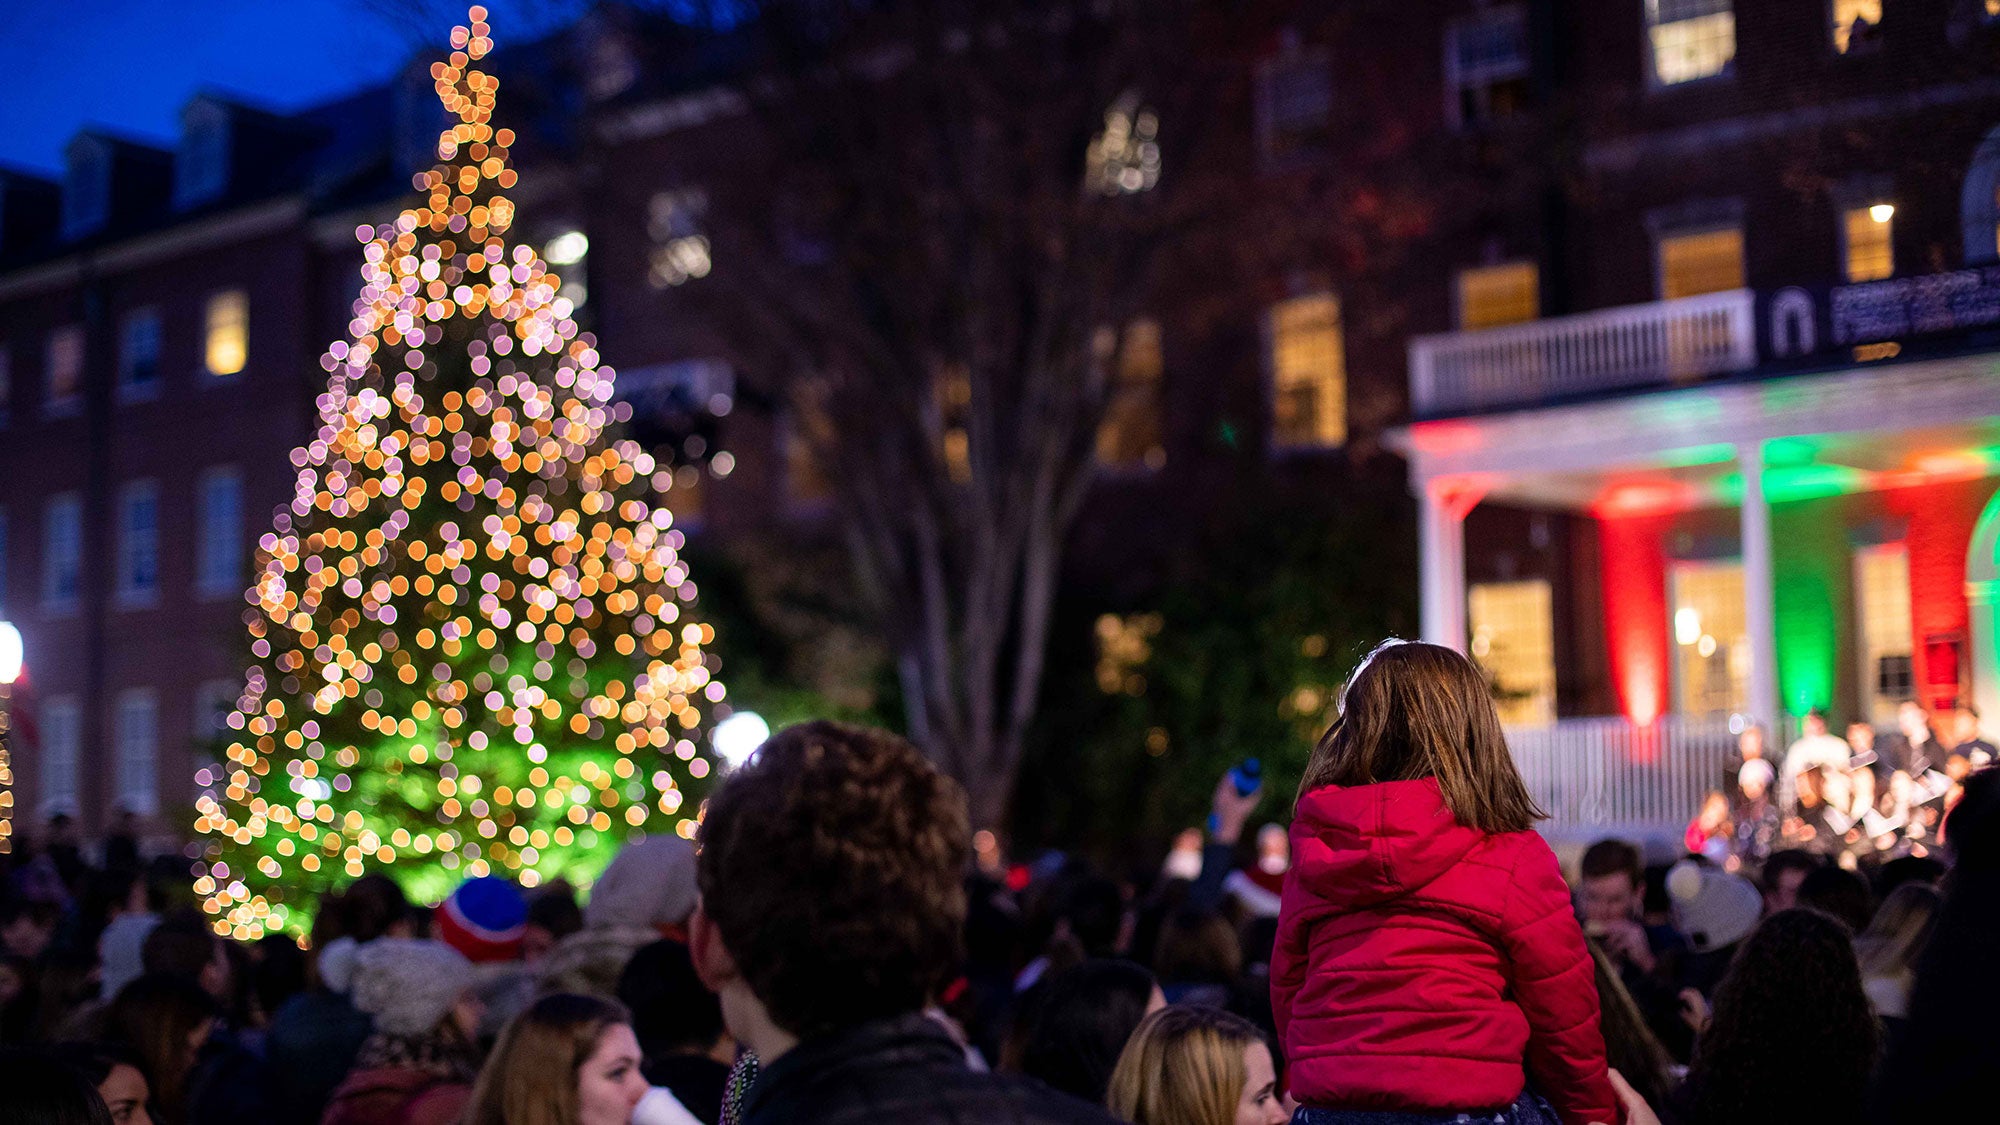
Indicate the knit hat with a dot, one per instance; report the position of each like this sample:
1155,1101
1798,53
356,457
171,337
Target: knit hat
409,985
1714,908
649,885
484,919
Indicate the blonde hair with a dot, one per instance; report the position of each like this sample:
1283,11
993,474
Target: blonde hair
1413,710
532,1076
1183,1066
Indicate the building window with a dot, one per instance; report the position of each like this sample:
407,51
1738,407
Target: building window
1701,261
61,722
1869,255
86,195
137,734
1883,628
219,562
1294,103
676,223
228,332
138,543
1487,65
62,552
6,383
201,168
1711,641
139,355
1513,642
1308,373
214,701
1490,296
1130,434
62,380
1856,24
569,250
1690,39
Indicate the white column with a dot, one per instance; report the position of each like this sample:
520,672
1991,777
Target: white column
1441,551
1759,617
1981,600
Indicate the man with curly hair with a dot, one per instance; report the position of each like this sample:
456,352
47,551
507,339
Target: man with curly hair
831,915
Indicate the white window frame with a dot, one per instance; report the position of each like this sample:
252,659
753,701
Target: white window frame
69,340
136,734
216,576
60,745
131,541
1457,80
63,511
139,324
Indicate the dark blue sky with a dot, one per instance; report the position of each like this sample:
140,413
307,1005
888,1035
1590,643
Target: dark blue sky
130,65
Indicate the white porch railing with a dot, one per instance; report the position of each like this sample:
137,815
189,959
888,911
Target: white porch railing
1607,350
1610,775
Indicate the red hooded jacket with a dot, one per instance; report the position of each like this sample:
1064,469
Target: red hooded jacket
1421,965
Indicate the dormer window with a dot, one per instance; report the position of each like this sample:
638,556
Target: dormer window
201,167
86,187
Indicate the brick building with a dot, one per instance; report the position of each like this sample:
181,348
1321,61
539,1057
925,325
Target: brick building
1550,250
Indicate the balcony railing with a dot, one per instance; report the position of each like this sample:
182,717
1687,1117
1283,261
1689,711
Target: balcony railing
1592,353
1609,776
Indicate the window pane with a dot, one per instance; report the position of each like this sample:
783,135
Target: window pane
1883,628
1489,296
63,380
228,332
137,742
1297,104
62,528
139,540
1854,23
60,735
1701,262
1691,39
1711,641
221,561
1869,253
139,353
1130,433
1513,641
1309,372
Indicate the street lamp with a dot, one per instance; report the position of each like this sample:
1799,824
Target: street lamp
10,670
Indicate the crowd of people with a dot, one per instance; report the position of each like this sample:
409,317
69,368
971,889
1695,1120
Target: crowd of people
841,947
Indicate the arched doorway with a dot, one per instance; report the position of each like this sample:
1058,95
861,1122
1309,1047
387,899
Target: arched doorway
1982,598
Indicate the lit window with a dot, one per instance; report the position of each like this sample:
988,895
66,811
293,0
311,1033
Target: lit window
61,726
1882,609
1870,257
1855,23
62,552
139,355
219,566
1488,58
228,332
1490,296
1704,261
138,542
62,382
6,383
1691,39
1294,102
1131,431
1513,641
1308,372
137,736
1712,644
1124,158
680,254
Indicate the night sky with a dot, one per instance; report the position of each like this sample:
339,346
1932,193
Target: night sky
130,65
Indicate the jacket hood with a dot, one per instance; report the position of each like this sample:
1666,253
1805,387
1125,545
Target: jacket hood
1368,844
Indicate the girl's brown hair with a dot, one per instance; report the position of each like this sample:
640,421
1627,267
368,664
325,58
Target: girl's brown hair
1184,1066
1414,710
531,1077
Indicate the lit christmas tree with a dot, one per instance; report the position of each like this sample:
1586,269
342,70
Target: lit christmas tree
473,652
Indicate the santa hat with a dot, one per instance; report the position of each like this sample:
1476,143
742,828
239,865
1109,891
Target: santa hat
484,919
